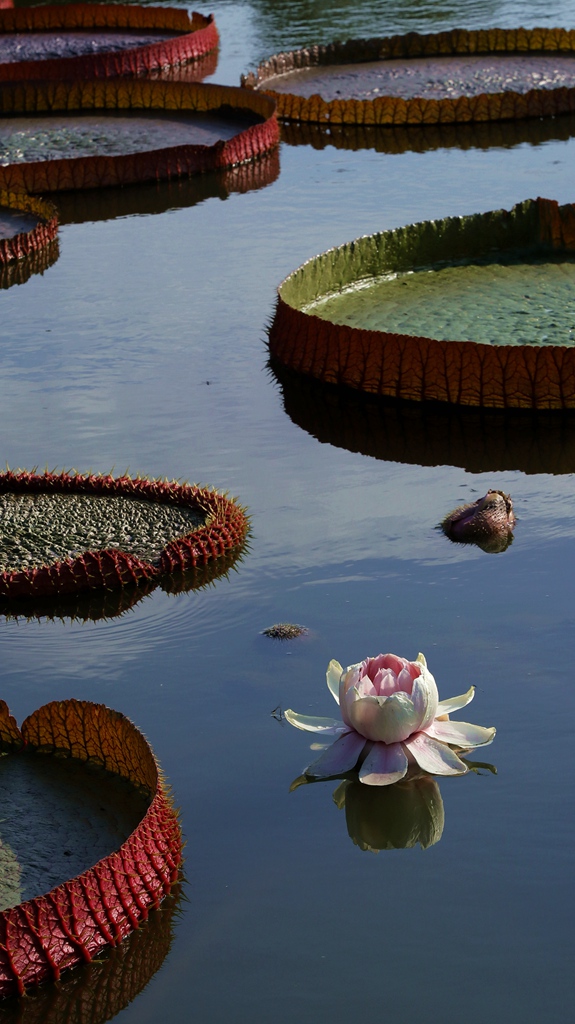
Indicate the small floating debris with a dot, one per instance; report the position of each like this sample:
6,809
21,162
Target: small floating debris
285,631
386,313
64,533
488,522
453,76
100,40
73,922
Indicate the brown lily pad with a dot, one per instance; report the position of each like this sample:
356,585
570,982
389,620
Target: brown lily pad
88,134
343,317
68,925
444,77
64,533
99,40
27,225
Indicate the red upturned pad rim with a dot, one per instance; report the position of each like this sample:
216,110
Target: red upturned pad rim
392,110
419,368
198,35
69,925
225,529
136,94
25,243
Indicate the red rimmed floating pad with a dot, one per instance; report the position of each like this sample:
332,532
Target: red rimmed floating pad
100,40
523,77
189,103
69,925
33,221
223,529
415,367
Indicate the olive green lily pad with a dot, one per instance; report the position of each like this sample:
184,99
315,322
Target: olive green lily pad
473,310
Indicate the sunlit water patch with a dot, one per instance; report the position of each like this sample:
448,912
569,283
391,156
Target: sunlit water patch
431,77
58,818
45,45
514,303
51,137
42,528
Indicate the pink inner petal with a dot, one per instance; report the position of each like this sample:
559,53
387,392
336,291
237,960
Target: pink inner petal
405,680
385,682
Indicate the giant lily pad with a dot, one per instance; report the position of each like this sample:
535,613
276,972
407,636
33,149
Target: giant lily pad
445,77
66,533
386,313
72,922
89,134
27,225
99,40
95,992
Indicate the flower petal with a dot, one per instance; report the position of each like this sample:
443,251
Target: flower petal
425,698
447,707
384,720
461,734
309,723
341,757
385,764
333,676
433,756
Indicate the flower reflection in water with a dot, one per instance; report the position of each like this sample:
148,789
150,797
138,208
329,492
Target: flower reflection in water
393,817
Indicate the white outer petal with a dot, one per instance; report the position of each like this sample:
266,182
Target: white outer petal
340,757
333,676
461,734
447,707
385,764
425,697
309,723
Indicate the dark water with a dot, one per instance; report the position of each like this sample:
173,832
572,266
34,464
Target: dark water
144,346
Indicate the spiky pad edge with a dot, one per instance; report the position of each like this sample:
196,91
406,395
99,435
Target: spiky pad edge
69,925
419,368
225,529
27,242
135,94
391,110
199,36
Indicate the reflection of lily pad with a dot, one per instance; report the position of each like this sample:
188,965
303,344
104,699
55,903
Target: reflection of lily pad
423,138
66,533
81,205
89,134
95,992
429,434
99,40
71,923
342,317
453,76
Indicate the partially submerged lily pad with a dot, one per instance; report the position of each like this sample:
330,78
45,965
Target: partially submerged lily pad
99,40
27,225
72,922
342,317
65,533
444,77
89,134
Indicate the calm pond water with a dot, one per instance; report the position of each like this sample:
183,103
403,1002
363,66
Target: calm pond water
143,346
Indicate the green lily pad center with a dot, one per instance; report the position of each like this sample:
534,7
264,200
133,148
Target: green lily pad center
513,302
39,529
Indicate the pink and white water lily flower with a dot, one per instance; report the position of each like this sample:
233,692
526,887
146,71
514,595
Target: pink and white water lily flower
391,718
